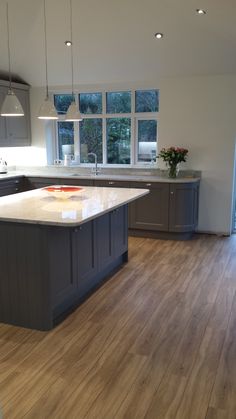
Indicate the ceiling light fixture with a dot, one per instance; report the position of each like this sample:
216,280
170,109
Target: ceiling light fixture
11,105
201,11
73,113
47,109
159,35
68,43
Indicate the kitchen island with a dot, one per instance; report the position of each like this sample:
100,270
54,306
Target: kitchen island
54,252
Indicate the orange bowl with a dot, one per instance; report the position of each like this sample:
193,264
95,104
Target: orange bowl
62,192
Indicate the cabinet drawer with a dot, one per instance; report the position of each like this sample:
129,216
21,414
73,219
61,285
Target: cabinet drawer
40,182
76,182
11,186
147,185
112,183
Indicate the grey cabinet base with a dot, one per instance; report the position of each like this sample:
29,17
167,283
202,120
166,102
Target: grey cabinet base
162,235
68,306
46,271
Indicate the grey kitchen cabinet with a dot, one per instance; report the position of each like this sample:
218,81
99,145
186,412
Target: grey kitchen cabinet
3,92
55,267
169,210
119,226
76,182
11,186
34,182
183,209
15,131
151,211
97,244
85,254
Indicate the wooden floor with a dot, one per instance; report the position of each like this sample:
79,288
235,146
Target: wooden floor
156,341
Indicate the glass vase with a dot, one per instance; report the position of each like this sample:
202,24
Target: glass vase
173,171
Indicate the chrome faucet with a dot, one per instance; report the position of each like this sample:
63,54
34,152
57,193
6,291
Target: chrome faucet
95,170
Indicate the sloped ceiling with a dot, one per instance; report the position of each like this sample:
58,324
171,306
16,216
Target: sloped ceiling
114,39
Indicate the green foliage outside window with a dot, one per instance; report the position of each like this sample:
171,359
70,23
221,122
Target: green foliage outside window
90,139
118,140
62,103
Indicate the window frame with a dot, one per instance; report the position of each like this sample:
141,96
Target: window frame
134,116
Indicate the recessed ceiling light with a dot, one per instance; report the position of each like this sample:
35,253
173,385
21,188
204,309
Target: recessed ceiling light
159,35
68,43
201,11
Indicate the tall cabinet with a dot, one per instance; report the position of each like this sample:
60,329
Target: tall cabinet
15,131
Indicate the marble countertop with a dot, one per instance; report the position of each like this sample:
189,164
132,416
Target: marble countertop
42,207
116,177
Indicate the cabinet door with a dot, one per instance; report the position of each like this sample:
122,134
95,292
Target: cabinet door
151,211
85,256
18,128
3,141
119,223
104,240
183,207
61,272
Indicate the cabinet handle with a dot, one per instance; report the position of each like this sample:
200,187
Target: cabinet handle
111,183
16,189
172,193
17,181
148,184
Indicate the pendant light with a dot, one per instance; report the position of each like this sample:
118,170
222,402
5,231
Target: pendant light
47,109
73,113
11,105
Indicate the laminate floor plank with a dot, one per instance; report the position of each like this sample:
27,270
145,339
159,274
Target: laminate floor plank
156,341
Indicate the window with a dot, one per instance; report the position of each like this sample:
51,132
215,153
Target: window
121,127
146,101
90,139
118,102
118,140
90,103
147,143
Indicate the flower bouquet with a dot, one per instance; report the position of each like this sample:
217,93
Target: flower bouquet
173,156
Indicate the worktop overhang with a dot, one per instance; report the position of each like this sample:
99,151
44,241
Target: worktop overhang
39,207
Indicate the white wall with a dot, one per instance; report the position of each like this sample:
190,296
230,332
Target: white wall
198,113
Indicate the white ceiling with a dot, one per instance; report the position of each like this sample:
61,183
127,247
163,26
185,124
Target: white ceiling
114,39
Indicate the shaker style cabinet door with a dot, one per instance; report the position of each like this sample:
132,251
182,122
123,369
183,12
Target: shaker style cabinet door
183,207
16,131
119,224
151,211
18,128
85,256
3,140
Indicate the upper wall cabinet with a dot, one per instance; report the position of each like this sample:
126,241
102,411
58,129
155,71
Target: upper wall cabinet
15,131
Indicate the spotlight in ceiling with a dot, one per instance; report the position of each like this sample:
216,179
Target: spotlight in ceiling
68,43
201,11
158,35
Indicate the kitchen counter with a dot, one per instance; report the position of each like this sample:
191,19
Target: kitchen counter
54,252
75,173
42,207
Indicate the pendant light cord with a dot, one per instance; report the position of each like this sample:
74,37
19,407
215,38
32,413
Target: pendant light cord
71,55
8,46
45,46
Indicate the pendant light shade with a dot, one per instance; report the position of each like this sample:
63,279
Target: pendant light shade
11,105
73,113
47,109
